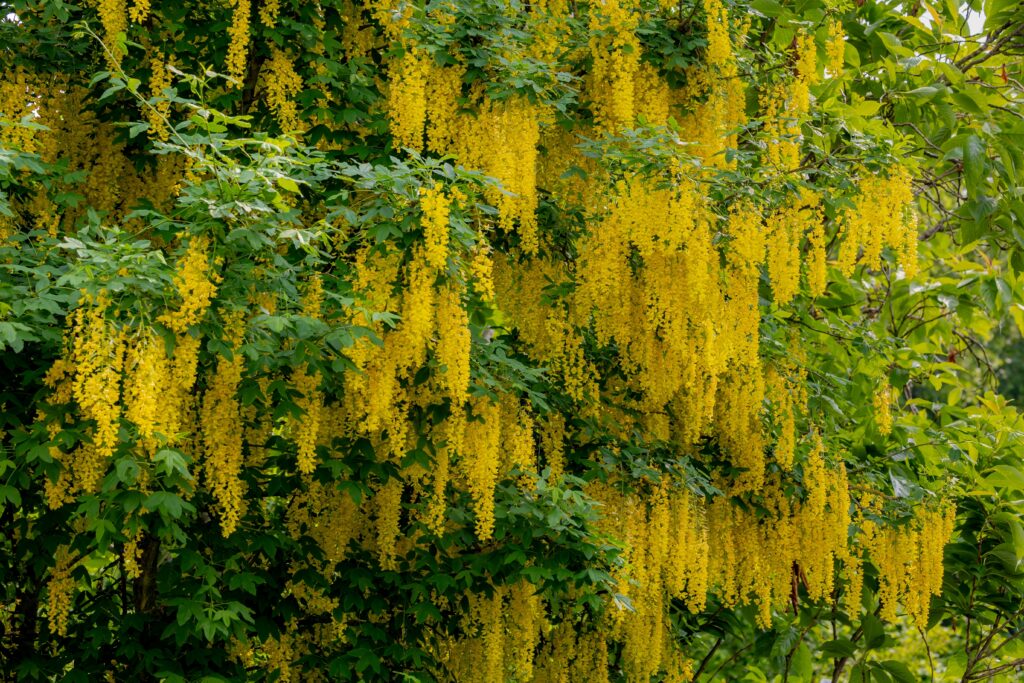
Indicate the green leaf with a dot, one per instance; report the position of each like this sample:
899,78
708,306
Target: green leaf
137,128
802,664
973,152
874,631
164,502
288,185
1006,477
769,8
899,671
9,493
838,648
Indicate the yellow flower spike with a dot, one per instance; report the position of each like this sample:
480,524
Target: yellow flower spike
435,206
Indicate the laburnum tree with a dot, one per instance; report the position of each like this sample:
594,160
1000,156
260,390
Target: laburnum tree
480,340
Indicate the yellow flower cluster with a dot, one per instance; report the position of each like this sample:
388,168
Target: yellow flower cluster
283,84
147,377
909,560
407,98
452,348
371,389
221,423
652,96
60,591
882,401
178,398
665,559
85,467
139,11
490,612
785,231
552,444
131,554
310,400
835,51
327,515
280,657
158,113
524,618
16,102
414,335
677,342
501,138
738,424
480,458
756,558
311,598
817,254
388,501
781,126
719,51
114,18
80,138
806,72
238,47
450,441
615,50
482,652
502,141
744,258
786,105
571,656
196,282
437,505
7,230
716,96
443,106
435,207
97,351
546,23
550,337
269,10
882,216
517,439
481,274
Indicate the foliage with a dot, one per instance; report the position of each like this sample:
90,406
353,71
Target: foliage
475,340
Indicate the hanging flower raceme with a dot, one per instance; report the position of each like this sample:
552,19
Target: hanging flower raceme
283,84
114,18
882,402
97,352
883,215
148,378
909,560
60,591
407,98
157,114
196,284
452,348
480,460
221,424
238,47
435,207
615,50
835,60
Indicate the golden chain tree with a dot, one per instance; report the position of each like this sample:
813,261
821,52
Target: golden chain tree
500,341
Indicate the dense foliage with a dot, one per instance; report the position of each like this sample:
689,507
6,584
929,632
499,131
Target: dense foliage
499,341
